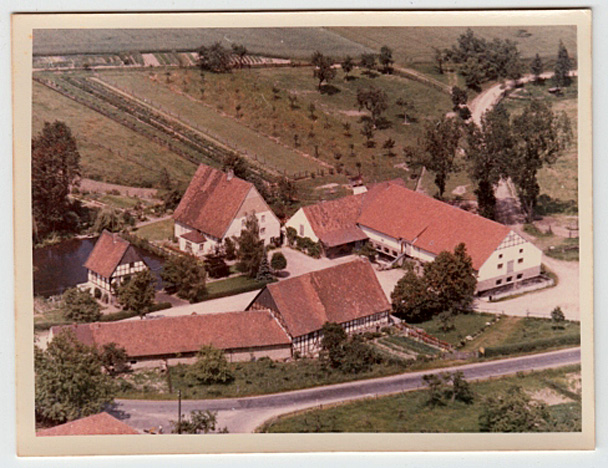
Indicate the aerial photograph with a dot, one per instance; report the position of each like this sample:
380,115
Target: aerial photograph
306,230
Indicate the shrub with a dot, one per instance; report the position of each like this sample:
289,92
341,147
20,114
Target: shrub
211,367
278,261
79,306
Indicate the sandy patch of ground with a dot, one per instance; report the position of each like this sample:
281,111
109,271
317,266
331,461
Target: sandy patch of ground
353,113
574,382
549,397
460,190
95,186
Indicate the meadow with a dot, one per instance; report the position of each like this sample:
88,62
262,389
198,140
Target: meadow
409,411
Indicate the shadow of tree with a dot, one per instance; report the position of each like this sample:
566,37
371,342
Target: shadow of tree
546,205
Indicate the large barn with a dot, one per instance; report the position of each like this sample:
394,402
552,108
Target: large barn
215,207
348,294
399,222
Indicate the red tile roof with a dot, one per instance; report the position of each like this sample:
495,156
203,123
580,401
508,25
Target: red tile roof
211,201
106,255
334,221
194,236
431,224
337,294
183,334
98,424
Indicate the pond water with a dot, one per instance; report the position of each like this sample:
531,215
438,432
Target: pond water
60,266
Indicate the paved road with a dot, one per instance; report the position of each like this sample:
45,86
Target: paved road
243,415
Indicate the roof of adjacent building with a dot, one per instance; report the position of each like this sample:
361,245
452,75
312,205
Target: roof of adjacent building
97,424
211,201
194,236
334,221
183,334
339,294
430,224
109,251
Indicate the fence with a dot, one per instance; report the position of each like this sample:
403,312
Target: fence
420,335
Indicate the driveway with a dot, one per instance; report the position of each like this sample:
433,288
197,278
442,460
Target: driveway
242,415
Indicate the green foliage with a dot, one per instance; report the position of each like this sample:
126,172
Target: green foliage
348,64
368,61
558,317
368,251
199,422
386,59
332,344
459,97
211,367
533,345
447,286
447,387
351,355
185,276
137,292
229,249
562,67
375,101
278,261
251,247
514,411
264,271
292,234
70,383
537,67
214,58
80,306
55,167
113,220
215,263
114,359
323,68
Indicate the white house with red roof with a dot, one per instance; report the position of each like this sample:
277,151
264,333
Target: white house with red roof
215,207
400,222
111,261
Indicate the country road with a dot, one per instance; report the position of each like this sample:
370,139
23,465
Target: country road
244,415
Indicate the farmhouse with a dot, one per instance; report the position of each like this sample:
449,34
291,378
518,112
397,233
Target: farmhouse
97,424
399,222
154,341
215,207
112,260
348,294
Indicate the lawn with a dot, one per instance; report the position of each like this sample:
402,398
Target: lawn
231,286
158,231
269,118
464,325
121,201
408,412
260,377
109,151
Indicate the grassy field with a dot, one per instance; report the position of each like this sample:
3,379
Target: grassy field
408,412
278,42
414,46
292,127
109,151
159,231
505,330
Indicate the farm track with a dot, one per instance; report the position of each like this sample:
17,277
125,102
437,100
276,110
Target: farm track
145,120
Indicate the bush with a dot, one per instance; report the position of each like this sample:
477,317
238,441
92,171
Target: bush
278,261
160,306
573,339
211,367
80,306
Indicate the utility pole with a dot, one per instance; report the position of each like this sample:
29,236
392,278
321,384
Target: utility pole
179,411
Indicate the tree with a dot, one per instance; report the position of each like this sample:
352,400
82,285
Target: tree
264,271
137,293
558,317
439,143
368,61
447,387
80,306
461,390
357,356
69,381
440,58
332,344
489,150
537,68
251,247
459,97
214,58
408,107
55,168
348,64
199,422
278,261
562,67
114,359
229,249
215,263
513,411
386,59
210,367
237,164
436,389
388,145
185,276
538,135
368,132
374,100
323,68
288,190
113,220
410,299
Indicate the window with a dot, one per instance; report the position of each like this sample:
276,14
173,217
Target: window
263,218
521,250
509,279
262,230
301,229
498,282
520,260
520,276
499,255
394,253
499,266
188,246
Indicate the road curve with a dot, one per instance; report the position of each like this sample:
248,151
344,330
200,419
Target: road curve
242,415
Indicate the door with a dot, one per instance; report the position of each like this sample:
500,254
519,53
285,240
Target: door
510,266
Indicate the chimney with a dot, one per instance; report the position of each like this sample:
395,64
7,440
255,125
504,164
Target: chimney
229,175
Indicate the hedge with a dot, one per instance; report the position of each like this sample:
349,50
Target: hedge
513,348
